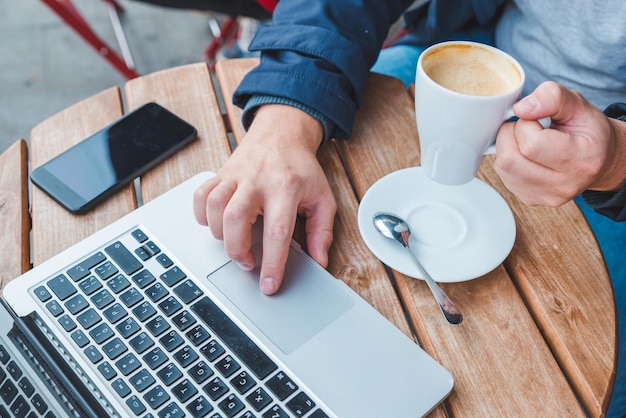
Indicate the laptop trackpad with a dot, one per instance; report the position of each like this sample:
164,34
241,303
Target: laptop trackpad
308,300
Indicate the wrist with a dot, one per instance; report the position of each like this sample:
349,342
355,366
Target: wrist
286,126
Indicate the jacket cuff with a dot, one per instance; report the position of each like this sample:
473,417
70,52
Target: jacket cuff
610,204
255,102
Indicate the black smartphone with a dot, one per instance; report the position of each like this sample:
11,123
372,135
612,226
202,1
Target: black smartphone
98,166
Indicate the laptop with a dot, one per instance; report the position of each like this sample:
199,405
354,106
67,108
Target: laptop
148,317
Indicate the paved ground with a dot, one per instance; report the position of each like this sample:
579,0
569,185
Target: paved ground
45,66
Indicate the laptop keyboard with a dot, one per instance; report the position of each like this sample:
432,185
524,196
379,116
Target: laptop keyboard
18,395
164,347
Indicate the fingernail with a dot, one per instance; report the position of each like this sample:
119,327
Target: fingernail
268,285
245,266
528,104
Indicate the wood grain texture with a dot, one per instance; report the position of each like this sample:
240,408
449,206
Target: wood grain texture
497,353
558,268
14,217
55,229
188,92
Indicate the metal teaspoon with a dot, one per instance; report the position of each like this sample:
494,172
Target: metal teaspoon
391,226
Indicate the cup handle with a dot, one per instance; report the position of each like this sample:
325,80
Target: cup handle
544,122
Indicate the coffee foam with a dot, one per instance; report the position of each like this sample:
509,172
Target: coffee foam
471,70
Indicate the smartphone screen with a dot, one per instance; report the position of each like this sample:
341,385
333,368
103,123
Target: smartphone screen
98,166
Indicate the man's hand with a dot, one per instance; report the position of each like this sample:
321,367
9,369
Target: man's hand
582,149
274,172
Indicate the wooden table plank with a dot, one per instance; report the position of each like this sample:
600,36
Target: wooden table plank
508,363
55,229
14,217
558,267
188,92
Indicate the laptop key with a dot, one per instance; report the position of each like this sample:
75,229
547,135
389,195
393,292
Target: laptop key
185,356
8,392
114,348
135,405
80,338
128,364
215,388
54,308
227,366
14,370
171,341
61,287
275,412
155,358
141,342
4,355
115,313
169,374
188,291
131,297
118,283
106,270
184,320
124,258
107,371
93,354
76,304
89,318
156,292
164,260
20,407
42,293
128,327
198,334
259,399
243,382
142,380
170,306
250,353
144,311
143,278
139,235
101,333
26,386
212,350
172,410
121,387
102,299
81,270
200,372
39,404
156,397
158,325
281,385
90,285
185,390
231,405
172,276
199,407
67,323
300,404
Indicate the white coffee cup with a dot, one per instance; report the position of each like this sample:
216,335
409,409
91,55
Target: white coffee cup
464,91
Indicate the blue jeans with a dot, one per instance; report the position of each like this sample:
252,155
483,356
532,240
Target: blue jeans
401,61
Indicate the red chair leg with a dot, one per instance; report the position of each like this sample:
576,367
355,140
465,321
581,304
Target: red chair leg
70,15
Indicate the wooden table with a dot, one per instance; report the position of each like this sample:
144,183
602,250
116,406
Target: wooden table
539,333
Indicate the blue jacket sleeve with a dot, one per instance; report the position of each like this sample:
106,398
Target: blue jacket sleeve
309,57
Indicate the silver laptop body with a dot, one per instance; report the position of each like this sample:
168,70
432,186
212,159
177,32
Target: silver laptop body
166,325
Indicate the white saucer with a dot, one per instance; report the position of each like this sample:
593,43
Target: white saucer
458,232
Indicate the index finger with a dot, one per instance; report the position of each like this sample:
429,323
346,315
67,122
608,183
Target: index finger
278,226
